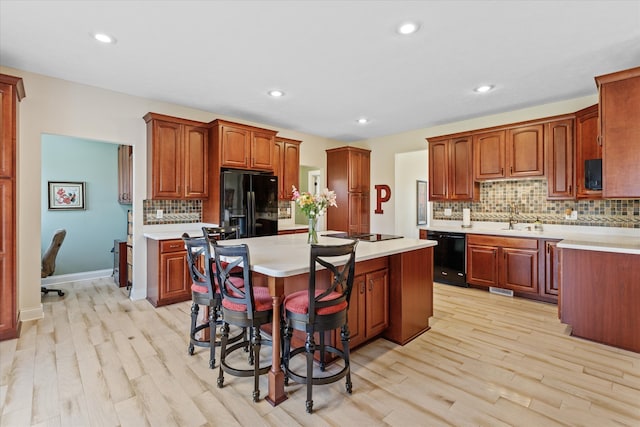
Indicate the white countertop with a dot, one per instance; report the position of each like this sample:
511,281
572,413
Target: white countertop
288,254
174,231
286,227
604,239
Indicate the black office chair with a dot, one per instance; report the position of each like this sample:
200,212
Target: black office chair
319,309
48,265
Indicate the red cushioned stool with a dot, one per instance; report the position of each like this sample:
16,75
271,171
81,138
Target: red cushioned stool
245,307
321,308
205,292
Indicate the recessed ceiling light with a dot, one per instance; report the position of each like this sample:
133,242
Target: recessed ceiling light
408,28
363,120
276,93
483,88
104,38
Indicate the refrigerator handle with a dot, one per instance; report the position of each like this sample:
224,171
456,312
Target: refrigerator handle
251,212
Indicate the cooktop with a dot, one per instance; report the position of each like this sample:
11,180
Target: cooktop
365,237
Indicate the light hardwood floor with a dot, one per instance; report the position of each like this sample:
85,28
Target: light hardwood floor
98,358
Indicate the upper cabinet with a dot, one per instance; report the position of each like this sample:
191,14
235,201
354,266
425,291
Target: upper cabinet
587,148
512,153
348,175
177,153
559,151
450,169
125,175
620,133
244,147
287,166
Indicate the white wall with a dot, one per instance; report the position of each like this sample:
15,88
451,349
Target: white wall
383,149
409,167
60,107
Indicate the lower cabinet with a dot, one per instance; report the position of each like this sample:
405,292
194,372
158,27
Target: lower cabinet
514,263
504,262
369,304
369,310
551,269
168,278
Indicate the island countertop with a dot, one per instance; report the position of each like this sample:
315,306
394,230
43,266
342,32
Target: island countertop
288,255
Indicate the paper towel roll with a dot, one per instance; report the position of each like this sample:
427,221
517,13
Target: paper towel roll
466,217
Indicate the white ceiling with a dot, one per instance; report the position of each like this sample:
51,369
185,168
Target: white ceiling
335,60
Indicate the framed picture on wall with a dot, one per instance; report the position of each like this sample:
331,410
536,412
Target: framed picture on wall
66,195
421,202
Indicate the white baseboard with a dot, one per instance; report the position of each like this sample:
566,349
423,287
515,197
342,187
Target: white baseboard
31,314
74,277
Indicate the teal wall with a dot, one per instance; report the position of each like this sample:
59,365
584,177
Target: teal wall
90,232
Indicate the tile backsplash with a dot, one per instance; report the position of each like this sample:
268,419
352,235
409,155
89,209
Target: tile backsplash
530,199
173,211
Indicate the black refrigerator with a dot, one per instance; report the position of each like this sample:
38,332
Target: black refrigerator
250,201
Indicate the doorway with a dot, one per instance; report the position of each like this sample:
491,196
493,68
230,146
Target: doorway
90,231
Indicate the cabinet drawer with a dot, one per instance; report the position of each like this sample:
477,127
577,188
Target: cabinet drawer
172,245
506,242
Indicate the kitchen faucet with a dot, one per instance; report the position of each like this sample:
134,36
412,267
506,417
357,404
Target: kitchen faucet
513,210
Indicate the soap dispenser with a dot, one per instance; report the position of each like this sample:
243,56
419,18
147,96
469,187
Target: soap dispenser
537,225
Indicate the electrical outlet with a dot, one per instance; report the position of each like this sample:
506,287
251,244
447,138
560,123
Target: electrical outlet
447,212
159,214
571,215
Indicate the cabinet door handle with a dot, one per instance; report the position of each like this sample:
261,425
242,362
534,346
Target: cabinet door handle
569,188
511,170
362,288
548,248
370,284
501,171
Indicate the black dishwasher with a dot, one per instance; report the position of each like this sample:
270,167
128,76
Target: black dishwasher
449,257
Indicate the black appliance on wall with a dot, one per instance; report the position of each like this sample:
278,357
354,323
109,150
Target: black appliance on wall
449,258
593,174
249,200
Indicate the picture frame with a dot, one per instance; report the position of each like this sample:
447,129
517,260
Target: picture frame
421,202
66,195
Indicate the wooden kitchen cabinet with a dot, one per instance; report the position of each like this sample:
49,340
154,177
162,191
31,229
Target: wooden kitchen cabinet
504,262
177,152
587,148
348,175
451,169
551,270
515,152
600,296
125,175
559,150
489,155
243,147
619,132
369,304
11,93
168,279
287,166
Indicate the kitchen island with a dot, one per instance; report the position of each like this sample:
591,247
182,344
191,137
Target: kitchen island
284,263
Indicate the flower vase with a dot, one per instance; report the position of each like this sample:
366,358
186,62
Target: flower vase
312,237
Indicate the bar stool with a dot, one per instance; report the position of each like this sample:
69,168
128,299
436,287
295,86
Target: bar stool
245,307
204,291
319,310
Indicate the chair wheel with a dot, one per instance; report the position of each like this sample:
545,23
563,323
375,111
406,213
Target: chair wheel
190,351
